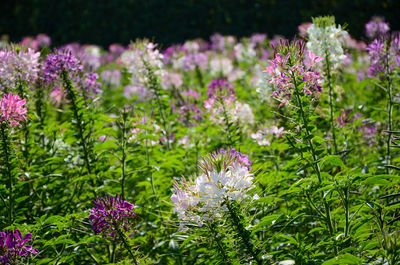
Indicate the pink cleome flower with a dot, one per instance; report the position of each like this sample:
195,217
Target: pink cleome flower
11,109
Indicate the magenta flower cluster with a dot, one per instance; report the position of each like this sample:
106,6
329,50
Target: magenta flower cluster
283,74
14,248
110,215
11,110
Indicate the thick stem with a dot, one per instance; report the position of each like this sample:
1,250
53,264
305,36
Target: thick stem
227,122
123,158
7,169
313,154
389,109
242,232
331,106
79,126
126,245
154,85
347,211
220,245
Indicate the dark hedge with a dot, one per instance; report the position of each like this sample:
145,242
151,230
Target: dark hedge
172,21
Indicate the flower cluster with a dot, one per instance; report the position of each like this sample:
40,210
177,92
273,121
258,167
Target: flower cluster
37,43
263,136
189,112
171,81
18,68
377,27
111,77
384,55
221,66
364,126
14,248
58,62
91,84
11,110
225,175
286,69
327,39
111,214
139,59
220,89
245,53
89,55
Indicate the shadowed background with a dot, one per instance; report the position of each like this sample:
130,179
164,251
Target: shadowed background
104,22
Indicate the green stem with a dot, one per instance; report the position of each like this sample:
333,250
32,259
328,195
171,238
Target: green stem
347,211
227,122
123,149
7,169
331,107
79,123
389,109
313,154
126,245
242,232
217,237
154,85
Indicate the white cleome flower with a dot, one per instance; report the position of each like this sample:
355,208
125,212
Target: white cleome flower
327,40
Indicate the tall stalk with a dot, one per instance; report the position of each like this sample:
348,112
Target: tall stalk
388,82
7,169
242,233
331,105
79,124
220,245
122,143
315,164
155,87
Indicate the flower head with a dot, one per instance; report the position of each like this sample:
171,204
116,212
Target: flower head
58,62
326,39
111,214
289,68
225,175
377,27
13,247
11,110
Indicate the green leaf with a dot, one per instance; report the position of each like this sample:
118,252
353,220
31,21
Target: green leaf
332,160
265,221
345,259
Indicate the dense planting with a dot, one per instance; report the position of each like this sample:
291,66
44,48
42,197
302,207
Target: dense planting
250,151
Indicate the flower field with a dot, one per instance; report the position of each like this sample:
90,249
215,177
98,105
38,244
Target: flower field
253,150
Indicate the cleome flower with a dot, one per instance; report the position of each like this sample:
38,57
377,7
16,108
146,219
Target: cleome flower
111,214
290,62
14,248
327,39
225,175
11,110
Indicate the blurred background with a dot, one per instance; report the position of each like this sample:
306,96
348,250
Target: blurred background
167,22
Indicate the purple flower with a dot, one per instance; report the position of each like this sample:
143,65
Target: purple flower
376,51
13,247
92,86
220,89
377,27
58,62
110,214
222,159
